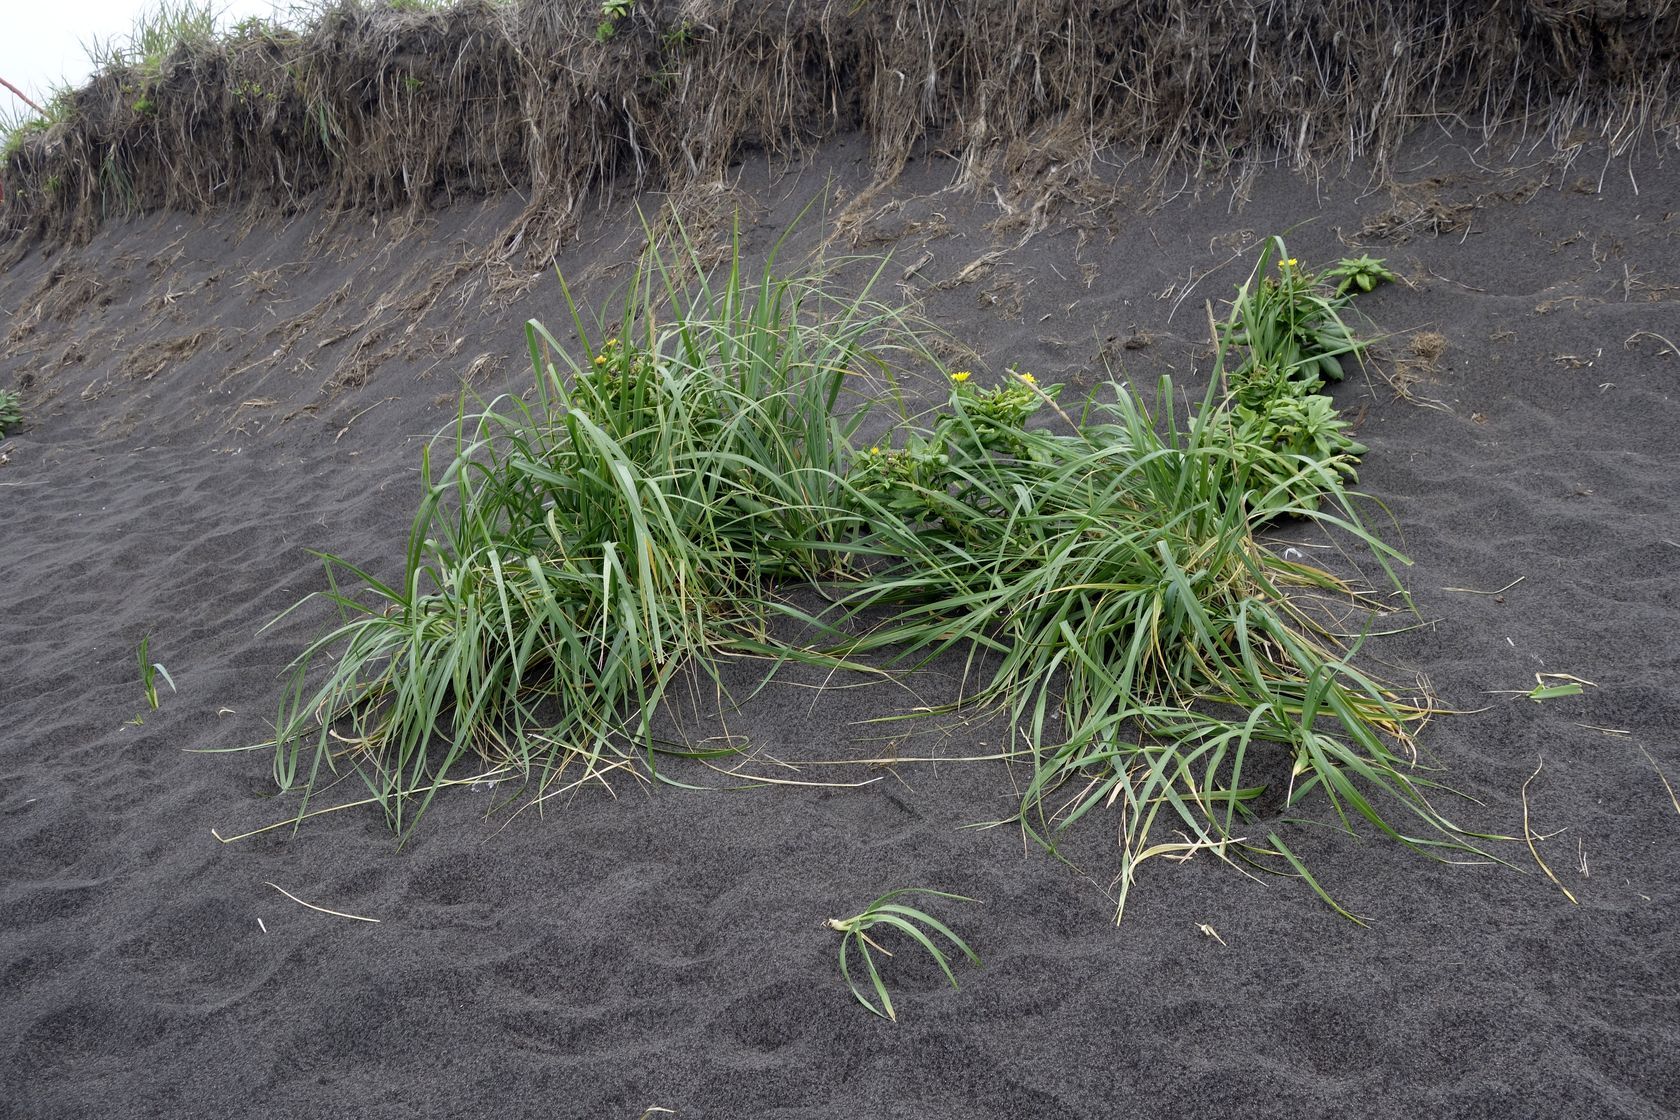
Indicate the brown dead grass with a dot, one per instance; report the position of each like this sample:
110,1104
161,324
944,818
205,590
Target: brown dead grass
1419,365
373,108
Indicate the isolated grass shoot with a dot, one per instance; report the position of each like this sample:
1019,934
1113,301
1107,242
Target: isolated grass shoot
917,925
149,672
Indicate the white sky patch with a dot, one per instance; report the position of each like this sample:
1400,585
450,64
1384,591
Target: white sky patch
42,41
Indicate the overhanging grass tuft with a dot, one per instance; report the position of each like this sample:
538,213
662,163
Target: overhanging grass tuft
381,105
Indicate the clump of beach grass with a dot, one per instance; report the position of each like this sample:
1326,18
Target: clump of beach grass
1155,652
159,31
574,552
1104,577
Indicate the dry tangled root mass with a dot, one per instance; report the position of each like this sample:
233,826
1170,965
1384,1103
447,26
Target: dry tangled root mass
399,103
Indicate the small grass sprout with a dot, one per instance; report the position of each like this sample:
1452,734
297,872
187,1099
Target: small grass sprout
612,11
11,412
918,925
149,672
1568,685
1362,273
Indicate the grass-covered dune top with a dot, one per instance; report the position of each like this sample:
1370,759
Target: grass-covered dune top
379,105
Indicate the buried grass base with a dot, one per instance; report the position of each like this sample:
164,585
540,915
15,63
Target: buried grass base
640,518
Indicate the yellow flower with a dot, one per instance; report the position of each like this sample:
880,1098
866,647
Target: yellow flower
600,359
1291,263
961,375
874,450
1028,378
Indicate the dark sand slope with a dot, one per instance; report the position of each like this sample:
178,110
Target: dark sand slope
205,406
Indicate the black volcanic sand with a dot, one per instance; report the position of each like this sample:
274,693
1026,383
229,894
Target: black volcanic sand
207,401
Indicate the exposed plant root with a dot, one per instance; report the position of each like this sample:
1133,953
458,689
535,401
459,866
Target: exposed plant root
373,108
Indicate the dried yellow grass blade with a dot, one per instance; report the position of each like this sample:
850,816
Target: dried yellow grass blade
1529,836
321,909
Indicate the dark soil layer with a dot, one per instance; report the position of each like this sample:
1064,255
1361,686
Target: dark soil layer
209,398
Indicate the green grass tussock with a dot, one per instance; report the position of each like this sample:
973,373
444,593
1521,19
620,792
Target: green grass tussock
1102,575
164,29
1152,649
577,551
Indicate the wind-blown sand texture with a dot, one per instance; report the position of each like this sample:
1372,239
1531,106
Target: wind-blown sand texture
210,395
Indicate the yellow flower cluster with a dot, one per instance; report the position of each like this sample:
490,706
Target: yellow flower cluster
961,375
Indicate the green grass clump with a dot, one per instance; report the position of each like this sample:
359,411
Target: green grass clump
158,32
19,125
575,552
1103,577
1107,584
